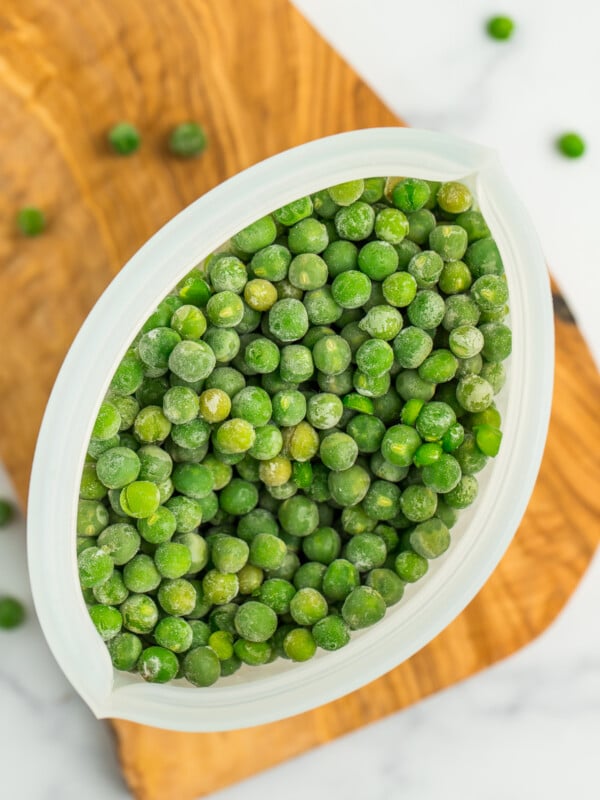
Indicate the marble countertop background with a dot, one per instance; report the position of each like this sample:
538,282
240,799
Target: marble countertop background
530,726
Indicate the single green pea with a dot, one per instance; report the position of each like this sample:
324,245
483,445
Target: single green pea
500,27
418,503
355,222
474,393
363,607
253,653
340,256
443,475
351,289
430,539
276,593
420,224
139,613
140,575
463,494
399,289
426,268
95,567
267,551
125,649
324,205
497,341
377,259
293,212
391,225
275,472
124,139
332,354
157,665
400,444
366,551
410,385
107,620
483,258
92,517
12,613
455,277
140,499
322,545
387,584
255,621
410,566
344,194
571,145
256,236
31,221
187,140
356,521
428,453
299,515
194,290
454,197
410,194
308,606
308,236
381,501
220,588
331,633
301,442
299,644
488,439
349,486
107,422
288,320
118,467
112,592
222,644
427,310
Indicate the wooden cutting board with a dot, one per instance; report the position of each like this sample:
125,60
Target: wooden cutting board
261,80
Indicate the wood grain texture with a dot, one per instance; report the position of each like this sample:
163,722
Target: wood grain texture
261,80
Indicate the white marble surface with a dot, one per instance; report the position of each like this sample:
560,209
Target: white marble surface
529,727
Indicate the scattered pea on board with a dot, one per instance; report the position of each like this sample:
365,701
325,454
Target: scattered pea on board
124,139
187,140
292,435
31,221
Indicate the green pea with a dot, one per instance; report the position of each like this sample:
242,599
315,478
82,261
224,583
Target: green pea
363,607
410,194
124,139
500,27
299,644
12,613
107,621
410,566
571,144
31,221
331,633
295,211
187,140
355,222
